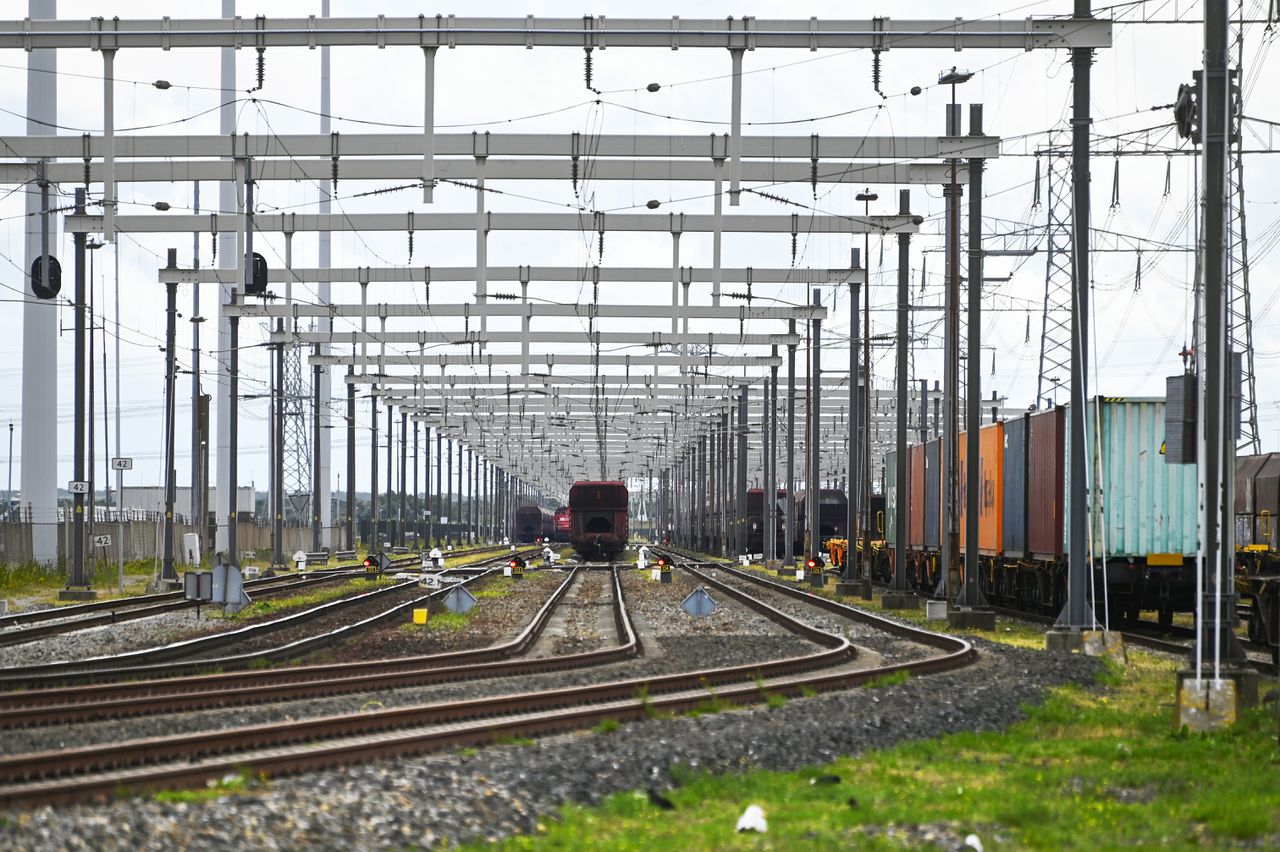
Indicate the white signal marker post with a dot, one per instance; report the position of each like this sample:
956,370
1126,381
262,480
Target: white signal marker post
120,464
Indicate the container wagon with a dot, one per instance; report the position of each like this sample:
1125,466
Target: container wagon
598,523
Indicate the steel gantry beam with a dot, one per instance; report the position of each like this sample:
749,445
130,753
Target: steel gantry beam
176,168
450,31
611,222
602,274
830,152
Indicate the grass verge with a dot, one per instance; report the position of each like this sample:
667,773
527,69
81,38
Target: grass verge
1091,768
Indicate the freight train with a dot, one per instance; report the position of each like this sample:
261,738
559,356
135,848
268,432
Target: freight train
532,524
833,509
1142,524
598,524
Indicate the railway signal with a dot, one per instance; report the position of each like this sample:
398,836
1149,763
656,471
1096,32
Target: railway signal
515,568
664,569
376,563
813,566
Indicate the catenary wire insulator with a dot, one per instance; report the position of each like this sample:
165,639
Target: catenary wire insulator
875,73
335,175
262,67
1115,184
586,67
600,248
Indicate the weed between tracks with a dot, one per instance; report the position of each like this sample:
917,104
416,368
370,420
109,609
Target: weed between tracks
275,606
498,587
240,781
1095,767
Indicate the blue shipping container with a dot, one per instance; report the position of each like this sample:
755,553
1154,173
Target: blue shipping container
1014,535
932,492
1140,505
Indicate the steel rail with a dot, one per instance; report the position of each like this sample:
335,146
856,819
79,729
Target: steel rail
60,706
431,727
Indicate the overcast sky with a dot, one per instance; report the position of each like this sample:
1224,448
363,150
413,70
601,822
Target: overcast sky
1138,331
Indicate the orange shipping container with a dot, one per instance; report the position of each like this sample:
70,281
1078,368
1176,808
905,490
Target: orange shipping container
991,475
991,488
915,497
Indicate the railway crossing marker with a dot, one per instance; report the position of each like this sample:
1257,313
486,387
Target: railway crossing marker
699,603
459,600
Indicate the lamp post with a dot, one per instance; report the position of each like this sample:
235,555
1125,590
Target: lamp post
8,496
860,410
950,538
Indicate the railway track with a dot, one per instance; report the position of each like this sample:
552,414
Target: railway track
160,661
134,698
104,770
117,609
131,609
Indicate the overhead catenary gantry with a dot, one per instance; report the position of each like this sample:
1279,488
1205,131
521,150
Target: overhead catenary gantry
702,337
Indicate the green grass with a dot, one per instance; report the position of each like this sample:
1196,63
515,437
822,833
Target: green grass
497,587
237,782
278,605
606,726
42,583
1092,768
888,680
515,741
30,578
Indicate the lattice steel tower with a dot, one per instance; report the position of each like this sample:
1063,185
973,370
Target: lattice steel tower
1055,333
1239,309
297,440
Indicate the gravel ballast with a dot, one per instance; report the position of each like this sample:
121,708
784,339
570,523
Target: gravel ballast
501,790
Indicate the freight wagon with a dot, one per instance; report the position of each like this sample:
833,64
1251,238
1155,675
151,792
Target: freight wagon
757,517
532,524
833,519
598,523
1257,487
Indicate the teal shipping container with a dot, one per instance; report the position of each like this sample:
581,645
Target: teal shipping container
1147,507
891,498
